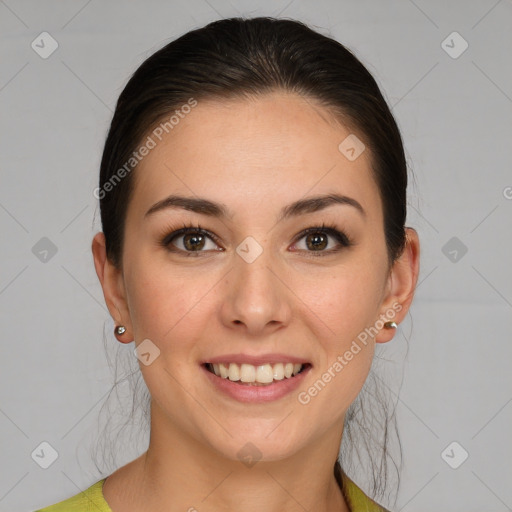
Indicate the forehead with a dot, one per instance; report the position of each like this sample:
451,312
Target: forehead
269,149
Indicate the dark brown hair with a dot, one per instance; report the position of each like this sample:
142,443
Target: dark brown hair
242,58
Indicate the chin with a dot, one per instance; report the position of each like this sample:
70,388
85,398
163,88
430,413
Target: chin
256,443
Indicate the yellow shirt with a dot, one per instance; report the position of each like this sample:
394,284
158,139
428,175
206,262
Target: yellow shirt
92,500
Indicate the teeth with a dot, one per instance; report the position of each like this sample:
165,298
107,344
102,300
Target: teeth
234,372
248,373
278,371
223,370
264,373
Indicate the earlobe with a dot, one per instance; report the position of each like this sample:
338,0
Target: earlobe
401,286
111,283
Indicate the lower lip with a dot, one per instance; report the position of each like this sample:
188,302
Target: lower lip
257,394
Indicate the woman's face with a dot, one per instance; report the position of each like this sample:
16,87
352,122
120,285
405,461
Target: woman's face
256,286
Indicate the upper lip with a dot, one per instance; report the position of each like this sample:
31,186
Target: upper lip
256,360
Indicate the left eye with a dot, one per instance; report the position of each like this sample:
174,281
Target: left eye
317,239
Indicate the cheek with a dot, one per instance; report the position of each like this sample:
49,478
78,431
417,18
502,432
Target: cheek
341,304
337,382
342,313
340,310
162,302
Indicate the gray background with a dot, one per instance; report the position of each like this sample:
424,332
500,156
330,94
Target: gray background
454,112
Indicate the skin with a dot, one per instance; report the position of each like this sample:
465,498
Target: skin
253,156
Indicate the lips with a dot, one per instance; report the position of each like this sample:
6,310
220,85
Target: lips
256,392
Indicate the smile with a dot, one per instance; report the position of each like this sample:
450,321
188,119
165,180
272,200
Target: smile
243,382
264,374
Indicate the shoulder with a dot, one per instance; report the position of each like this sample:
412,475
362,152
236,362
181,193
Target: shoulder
356,499
90,500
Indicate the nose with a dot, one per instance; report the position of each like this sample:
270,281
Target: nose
257,300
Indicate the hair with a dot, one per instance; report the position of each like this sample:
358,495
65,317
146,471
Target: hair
246,58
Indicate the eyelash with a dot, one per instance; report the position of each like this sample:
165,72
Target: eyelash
327,229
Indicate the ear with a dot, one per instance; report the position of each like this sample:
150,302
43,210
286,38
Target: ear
400,287
111,279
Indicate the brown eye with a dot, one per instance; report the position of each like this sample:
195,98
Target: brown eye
190,240
316,240
193,242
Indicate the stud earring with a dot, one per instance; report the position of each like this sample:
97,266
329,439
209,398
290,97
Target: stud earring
120,329
390,325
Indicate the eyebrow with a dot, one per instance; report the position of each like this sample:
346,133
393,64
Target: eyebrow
212,209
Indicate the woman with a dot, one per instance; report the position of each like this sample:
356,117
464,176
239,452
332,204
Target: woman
253,201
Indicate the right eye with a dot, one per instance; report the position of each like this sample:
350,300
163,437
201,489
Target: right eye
190,240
